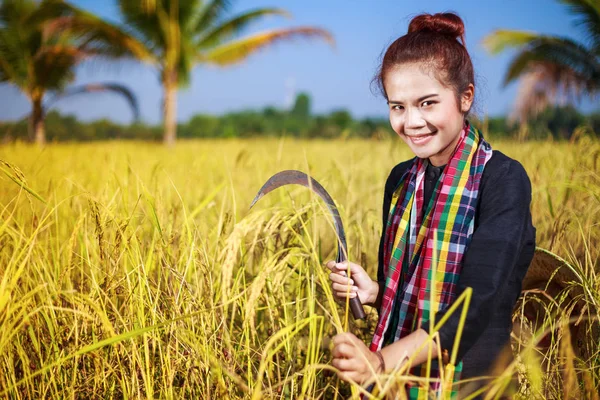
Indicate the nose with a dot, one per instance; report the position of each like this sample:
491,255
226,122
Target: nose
414,119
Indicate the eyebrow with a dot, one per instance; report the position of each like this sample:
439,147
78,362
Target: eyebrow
418,100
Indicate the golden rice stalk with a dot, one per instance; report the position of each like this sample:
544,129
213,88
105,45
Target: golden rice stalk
567,356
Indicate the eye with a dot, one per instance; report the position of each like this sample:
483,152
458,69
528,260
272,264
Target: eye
428,103
396,107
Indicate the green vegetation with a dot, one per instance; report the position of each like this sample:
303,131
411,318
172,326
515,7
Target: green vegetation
558,123
129,270
553,69
38,58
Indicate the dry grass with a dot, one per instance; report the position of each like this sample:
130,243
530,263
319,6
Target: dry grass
132,271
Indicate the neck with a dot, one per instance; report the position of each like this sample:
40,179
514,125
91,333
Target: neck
437,163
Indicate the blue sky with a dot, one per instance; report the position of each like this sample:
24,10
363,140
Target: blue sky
335,77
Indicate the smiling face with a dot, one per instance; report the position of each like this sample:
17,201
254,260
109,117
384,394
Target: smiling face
424,112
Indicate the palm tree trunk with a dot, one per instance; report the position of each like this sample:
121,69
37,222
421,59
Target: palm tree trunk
170,107
36,122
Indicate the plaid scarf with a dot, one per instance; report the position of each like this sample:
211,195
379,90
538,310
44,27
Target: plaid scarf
407,302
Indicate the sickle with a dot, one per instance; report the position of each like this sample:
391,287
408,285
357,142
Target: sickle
292,177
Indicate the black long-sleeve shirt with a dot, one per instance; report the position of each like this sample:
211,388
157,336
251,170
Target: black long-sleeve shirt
494,263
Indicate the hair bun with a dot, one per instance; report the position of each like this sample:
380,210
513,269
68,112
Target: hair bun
448,24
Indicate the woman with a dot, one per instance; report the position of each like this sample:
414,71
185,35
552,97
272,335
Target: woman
458,198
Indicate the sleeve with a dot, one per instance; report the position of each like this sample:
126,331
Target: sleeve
493,252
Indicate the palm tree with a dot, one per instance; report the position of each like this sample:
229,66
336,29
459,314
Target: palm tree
553,69
180,34
39,60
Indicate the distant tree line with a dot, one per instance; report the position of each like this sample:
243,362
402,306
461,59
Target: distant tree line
558,123
554,122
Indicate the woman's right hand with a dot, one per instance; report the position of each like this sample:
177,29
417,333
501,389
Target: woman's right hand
359,282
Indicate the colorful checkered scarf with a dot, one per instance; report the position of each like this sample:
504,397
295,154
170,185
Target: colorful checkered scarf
407,302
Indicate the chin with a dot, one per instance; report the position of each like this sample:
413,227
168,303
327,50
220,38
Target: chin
422,153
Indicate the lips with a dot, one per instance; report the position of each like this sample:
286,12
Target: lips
421,135
420,139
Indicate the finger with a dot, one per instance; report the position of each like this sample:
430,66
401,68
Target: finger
343,364
344,267
343,287
343,376
355,341
345,291
341,351
342,280
348,376
345,294
341,268
354,344
331,265
341,338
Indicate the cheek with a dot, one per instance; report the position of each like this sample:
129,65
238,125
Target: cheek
396,123
439,115
444,118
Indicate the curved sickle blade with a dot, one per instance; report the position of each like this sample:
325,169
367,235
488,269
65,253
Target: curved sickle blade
293,177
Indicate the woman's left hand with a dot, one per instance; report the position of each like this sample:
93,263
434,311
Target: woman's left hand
353,359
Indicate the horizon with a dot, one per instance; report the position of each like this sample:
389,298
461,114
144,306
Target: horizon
277,74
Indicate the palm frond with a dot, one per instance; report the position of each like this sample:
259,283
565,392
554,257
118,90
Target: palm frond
587,14
228,29
98,36
502,39
61,52
14,12
544,84
119,89
552,69
143,23
13,56
148,6
4,77
240,49
53,66
48,10
186,12
53,71
186,62
563,52
211,13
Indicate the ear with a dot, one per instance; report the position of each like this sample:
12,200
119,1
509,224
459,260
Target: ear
466,98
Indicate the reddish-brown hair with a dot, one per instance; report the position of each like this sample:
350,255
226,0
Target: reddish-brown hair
432,40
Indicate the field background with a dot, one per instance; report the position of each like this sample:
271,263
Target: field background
146,276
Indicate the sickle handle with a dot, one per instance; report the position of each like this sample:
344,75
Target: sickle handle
355,305
357,309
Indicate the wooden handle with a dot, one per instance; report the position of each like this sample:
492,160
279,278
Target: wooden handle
357,309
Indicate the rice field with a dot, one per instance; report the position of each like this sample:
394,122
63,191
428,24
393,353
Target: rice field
128,270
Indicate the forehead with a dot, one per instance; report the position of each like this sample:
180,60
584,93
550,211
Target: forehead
411,81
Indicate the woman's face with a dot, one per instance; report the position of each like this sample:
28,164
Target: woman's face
424,113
